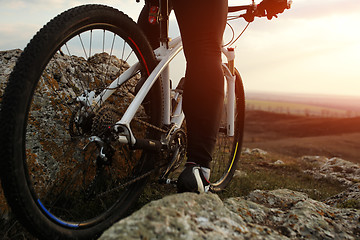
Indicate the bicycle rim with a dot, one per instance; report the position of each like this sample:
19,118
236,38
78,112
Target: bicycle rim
228,148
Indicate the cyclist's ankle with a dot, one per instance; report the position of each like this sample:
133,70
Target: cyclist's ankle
192,179
205,170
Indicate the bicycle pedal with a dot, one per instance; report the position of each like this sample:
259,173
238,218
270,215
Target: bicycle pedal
167,181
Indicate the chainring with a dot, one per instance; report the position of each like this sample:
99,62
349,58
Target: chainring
177,153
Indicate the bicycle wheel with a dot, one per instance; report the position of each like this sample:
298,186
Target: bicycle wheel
60,182
228,149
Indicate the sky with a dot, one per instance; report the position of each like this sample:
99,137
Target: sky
313,48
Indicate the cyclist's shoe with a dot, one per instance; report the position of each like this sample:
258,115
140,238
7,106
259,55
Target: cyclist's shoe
192,179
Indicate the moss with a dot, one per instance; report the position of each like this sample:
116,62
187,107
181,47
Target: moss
262,174
351,203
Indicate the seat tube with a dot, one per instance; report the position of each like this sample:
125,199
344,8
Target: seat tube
164,44
166,89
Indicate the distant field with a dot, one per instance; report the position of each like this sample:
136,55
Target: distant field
301,109
295,135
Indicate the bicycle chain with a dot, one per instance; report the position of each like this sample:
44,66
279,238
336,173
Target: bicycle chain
106,116
127,183
141,176
150,125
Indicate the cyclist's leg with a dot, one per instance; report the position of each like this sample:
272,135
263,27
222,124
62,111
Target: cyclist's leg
202,24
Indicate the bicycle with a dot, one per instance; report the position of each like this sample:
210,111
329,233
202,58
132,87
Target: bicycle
89,116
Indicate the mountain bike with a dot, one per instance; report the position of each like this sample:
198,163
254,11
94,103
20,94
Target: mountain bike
90,115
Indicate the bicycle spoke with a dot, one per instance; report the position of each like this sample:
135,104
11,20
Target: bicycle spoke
82,45
90,43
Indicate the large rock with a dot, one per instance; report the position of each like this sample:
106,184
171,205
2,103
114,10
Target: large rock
348,198
278,214
337,169
7,62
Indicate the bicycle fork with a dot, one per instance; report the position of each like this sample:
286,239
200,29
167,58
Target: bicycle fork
229,70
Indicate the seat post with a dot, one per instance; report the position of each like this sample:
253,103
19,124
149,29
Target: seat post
164,22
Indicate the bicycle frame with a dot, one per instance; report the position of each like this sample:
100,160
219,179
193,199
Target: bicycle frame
165,54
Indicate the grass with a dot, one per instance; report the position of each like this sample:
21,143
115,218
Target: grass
260,172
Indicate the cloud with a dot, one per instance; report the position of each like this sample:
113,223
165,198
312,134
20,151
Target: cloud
129,6
15,35
40,4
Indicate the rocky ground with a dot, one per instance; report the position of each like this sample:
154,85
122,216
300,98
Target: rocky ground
7,63
277,214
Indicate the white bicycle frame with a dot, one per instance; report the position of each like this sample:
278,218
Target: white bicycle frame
165,56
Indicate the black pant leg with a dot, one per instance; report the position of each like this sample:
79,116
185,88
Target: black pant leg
202,23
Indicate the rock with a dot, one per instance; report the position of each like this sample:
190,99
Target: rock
314,159
279,162
278,214
297,216
246,151
47,116
239,174
187,216
336,169
7,62
348,198
65,74
258,151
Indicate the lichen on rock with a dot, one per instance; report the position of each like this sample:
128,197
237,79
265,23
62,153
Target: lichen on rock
278,214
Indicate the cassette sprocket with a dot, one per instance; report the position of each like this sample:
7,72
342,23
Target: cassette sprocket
104,119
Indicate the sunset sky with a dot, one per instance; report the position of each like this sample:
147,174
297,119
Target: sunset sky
312,48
